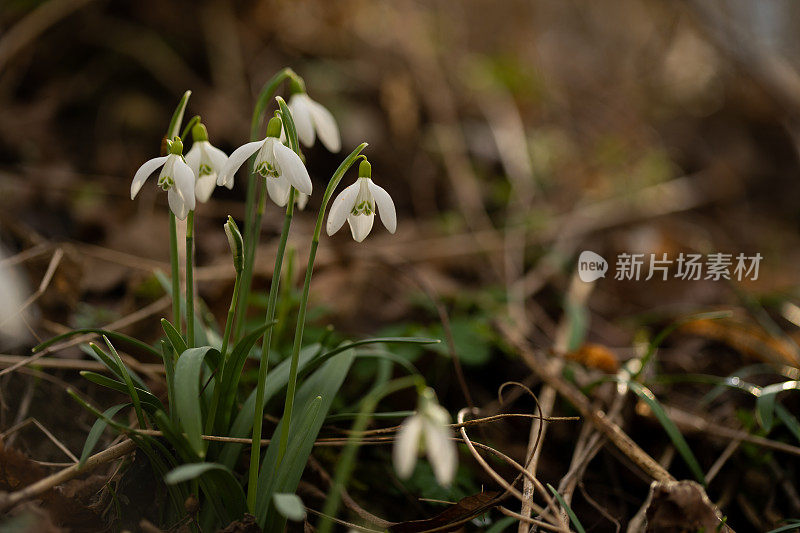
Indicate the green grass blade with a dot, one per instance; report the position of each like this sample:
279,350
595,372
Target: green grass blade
104,332
572,517
673,432
147,399
137,405
174,336
765,404
97,431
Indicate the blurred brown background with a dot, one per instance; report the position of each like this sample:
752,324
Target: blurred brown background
511,135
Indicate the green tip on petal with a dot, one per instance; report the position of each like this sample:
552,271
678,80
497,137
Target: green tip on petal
199,132
364,169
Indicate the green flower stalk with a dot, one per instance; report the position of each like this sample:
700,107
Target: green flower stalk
301,316
237,251
278,166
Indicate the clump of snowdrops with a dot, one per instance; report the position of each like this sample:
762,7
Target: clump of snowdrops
181,438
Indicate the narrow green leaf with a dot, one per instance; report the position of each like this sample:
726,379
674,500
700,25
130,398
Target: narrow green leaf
219,484
793,525
232,370
169,373
126,377
377,340
97,431
765,404
314,399
175,437
243,423
572,517
148,400
187,394
177,116
673,432
110,334
174,336
290,506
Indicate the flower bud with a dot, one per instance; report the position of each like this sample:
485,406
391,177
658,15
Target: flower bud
236,243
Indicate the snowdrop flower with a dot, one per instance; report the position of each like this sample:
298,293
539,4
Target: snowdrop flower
205,161
427,430
356,204
176,178
312,119
277,163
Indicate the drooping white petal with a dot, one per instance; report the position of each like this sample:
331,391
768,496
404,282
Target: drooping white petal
341,207
144,172
441,452
406,446
278,189
325,125
290,165
184,183
217,157
236,160
301,114
385,206
176,203
360,225
193,157
204,186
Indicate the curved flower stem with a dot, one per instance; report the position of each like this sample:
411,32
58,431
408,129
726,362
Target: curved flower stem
344,466
251,229
301,315
172,130
258,414
176,282
194,120
190,280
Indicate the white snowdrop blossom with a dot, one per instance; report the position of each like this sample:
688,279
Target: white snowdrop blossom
281,167
427,430
357,205
206,161
176,178
311,120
